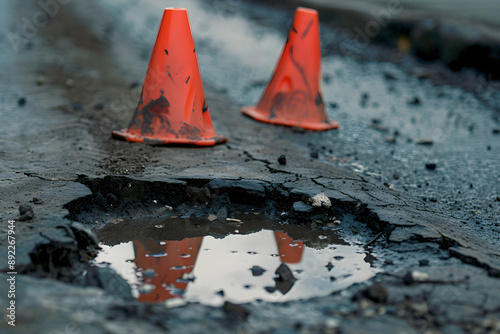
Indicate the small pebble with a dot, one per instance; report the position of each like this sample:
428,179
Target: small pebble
424,141
40,80
495,131
430,166
282,160
70,83
22,101
390,139
414,101
424,262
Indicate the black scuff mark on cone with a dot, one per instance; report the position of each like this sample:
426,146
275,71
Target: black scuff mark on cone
170,76
190,132
166,51
194,50
205,106
279,102
293,29
189,77
302,73
319,99
180,70
155,109
309,25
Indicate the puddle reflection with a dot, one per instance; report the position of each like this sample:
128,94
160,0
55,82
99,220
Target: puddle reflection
265,265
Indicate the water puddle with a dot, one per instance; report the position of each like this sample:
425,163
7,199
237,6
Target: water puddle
246,264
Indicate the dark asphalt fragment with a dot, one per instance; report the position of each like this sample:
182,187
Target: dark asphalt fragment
430,166
415,101
257,271
282,160
22,101
376,293
235,310
26,212
424,141
302,207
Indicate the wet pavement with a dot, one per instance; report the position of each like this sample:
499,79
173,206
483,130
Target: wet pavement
427,266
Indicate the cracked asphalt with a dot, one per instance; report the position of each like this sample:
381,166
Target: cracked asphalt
438,275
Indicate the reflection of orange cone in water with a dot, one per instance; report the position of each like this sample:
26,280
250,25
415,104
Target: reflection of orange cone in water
293,97
173,260
290,252
172,108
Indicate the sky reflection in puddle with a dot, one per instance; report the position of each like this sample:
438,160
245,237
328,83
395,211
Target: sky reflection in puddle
265,265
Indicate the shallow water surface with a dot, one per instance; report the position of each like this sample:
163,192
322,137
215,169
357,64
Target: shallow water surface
266,264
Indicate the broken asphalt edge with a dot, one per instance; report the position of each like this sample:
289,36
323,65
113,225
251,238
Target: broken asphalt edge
381,209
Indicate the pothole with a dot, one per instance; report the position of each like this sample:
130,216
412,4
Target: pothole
241,259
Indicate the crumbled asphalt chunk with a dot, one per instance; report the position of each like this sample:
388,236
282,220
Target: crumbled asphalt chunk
282,160
389,76
390,139
235,310
414,101
314,155
110,281
37,200
425,141
257,271
22,101
495,131
376,293
302,207
284,280
423,262
26,212
329,266
395,176
414,276
284,274
430,166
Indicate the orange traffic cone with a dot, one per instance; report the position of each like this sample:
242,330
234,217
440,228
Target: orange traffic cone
172,108
293,97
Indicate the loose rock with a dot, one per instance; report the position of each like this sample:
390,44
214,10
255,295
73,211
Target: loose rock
430,166
376,293
320,200
425,141
26,212
282,160
236,310
257,271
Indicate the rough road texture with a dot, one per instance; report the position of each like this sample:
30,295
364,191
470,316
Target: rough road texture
61,161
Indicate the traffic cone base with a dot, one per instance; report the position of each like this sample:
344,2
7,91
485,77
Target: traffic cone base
293,96
172,108
259,116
